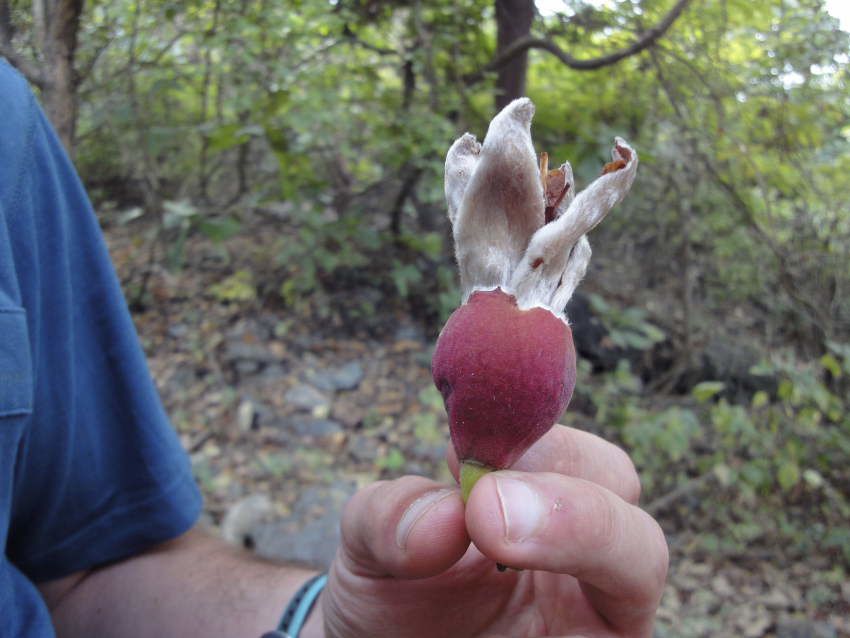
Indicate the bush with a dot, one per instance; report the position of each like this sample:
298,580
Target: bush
780,461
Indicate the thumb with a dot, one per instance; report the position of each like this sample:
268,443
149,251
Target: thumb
408,528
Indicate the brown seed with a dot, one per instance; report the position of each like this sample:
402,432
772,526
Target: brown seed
611,167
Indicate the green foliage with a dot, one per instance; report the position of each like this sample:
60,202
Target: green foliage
627,327
615,401
237,287
178,218
326,251
405,276
773,453
181,218
431,398
740,115
427,424
220,229
392,461
704,391
426,428
319,248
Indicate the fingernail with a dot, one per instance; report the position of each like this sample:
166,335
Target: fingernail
523,511
415,511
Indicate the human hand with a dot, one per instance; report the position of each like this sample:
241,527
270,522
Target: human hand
593,563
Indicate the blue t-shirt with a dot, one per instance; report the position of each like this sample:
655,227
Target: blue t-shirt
91,470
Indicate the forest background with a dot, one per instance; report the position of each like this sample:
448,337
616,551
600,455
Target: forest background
269,179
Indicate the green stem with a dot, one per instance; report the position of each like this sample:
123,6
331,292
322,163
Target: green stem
470,472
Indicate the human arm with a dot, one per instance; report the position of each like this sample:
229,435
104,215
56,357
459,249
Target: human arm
193,586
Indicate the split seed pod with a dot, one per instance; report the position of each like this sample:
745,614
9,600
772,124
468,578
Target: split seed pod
505,361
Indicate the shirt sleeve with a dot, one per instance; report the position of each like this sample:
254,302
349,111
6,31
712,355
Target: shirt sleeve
99,473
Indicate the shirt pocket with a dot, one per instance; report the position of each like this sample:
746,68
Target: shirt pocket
15,363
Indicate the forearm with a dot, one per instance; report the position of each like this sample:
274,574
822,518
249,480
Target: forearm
195,587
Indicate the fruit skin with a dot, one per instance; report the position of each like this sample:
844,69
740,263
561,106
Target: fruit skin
506,376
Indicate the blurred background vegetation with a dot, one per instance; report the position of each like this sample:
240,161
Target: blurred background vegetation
715,319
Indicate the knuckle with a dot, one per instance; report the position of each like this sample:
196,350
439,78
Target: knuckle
571,460
361,500
600,525
409,483
360,518
367,524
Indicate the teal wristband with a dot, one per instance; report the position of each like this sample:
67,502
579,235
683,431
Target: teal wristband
298,610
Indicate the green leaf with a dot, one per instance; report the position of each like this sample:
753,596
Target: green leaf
725,475
760,399
125,217
653,333
429,244
763,369
219,230
178,214
704,391
405,275
431,397
392,461
788,475
831,364
426,428
842,351
237,287
813,478
226,137
755,473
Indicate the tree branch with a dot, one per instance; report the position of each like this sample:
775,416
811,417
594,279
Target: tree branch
7,50
84,72
813,314
647,39
28,68
687,488
353,38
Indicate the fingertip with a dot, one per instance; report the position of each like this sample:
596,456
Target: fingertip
434,539
407,528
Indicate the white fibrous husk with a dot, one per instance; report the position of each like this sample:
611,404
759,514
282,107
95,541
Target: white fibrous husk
505,237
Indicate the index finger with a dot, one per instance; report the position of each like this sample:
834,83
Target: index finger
580,454
565,525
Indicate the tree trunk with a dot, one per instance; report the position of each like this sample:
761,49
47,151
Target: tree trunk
59,48
7,29
513,19
206,90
